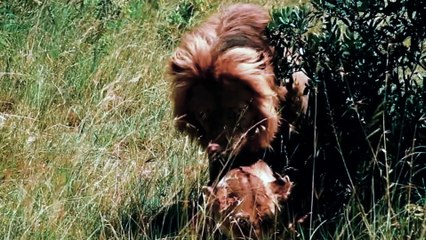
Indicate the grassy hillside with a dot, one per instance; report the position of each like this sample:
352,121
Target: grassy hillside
87,141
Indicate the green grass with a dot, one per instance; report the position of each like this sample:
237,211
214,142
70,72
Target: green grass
86,134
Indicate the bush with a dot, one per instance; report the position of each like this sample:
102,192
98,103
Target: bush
364,134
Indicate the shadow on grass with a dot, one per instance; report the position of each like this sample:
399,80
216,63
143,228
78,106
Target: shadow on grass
185,217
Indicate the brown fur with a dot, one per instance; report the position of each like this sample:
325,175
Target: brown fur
223,83
246,201
295,97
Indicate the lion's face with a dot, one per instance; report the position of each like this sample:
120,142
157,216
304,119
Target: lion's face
225,115
233,102
246,201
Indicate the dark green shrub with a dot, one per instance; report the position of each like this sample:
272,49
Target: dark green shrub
367,101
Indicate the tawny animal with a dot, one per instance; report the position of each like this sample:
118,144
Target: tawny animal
246,203
223,86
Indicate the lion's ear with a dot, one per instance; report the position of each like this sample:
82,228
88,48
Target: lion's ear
282,188
261,170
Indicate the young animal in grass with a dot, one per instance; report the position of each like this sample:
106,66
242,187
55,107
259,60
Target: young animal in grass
246,203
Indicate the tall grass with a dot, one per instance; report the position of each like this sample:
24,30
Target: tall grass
87,143
86,118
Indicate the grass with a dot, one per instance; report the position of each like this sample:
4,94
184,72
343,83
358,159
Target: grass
87,143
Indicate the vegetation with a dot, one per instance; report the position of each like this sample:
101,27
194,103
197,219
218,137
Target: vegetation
87,143
366,124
